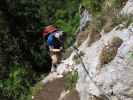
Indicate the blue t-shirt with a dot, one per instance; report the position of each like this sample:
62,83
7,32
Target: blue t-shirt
50,40
53,42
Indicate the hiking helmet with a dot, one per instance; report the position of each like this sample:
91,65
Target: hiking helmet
49,29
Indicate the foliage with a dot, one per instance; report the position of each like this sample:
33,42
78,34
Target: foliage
71,80
108,16
21,57
16,87
69,12
63,14
21,43
37,88
94,6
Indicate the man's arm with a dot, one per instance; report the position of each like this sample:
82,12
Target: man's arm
56,50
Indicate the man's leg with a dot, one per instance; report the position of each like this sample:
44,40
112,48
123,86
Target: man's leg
54,67
54,62
56,59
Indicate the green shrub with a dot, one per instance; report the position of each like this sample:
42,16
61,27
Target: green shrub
16,86
95,6
37,88
71,80
108,16
69,26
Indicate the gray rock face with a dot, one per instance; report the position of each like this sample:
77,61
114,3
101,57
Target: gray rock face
105,80
128,9
114,79
85,17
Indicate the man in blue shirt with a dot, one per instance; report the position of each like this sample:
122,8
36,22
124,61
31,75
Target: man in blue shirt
55,40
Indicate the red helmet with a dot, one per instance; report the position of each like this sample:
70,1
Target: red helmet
48,29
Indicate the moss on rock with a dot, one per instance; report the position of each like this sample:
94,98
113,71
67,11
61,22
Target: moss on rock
109,52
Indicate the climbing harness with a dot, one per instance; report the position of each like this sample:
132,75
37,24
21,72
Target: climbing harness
84,67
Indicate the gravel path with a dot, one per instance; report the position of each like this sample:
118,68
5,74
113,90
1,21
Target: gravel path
52,91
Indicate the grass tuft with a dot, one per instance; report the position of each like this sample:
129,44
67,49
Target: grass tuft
71,80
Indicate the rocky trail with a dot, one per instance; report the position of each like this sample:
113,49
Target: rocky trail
53,90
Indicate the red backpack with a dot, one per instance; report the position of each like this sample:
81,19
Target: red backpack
49,29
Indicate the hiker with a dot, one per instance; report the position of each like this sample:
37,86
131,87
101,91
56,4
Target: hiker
55,40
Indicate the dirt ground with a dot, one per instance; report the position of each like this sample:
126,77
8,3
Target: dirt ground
52,91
